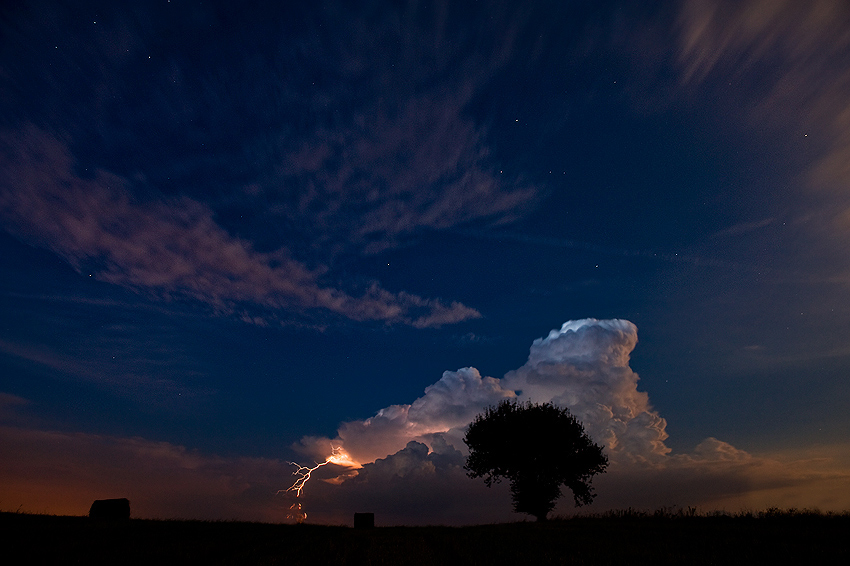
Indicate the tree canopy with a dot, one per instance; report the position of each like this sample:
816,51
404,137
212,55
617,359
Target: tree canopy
539,448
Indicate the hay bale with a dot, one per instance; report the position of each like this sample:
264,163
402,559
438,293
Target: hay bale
110,509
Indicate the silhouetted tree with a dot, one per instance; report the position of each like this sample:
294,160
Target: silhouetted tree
538,448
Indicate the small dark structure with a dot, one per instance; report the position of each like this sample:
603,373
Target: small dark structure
364,520
110,509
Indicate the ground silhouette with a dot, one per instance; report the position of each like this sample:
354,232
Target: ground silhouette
635,538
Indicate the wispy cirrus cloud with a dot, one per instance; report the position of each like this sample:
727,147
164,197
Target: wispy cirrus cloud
794,56
173,246
393,173
244,190
388,148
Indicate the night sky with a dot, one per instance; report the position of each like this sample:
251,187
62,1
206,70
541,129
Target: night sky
237,235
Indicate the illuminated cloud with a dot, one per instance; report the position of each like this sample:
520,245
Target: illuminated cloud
413,455
583,366
445,409
413,486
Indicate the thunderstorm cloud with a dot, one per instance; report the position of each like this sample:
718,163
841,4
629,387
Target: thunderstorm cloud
413,455
583,366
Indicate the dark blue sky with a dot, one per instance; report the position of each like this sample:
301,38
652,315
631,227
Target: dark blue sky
227,227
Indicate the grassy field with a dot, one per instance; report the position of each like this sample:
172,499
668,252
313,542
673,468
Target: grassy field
772,537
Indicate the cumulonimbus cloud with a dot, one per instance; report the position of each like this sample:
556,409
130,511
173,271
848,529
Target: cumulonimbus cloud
445,409
416,474
410,450
583,366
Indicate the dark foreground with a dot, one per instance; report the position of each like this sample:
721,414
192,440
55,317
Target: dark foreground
624,538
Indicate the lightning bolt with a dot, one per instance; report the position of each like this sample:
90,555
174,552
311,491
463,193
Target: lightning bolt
304,473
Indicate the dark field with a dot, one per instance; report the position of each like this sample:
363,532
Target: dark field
620,538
